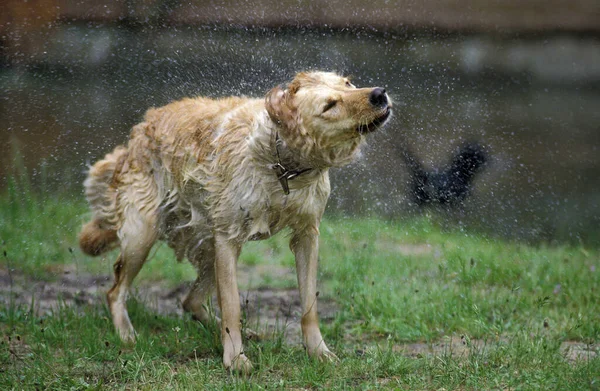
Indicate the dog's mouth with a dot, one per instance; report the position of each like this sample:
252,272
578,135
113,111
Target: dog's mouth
377,123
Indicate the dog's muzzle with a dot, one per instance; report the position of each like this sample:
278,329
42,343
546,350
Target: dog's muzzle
379,99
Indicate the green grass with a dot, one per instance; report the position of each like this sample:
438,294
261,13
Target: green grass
394,283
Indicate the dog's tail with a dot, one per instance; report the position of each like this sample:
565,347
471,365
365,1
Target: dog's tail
95,240
100,234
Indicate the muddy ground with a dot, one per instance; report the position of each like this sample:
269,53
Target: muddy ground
268,311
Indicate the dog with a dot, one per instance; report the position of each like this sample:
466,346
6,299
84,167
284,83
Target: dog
448,186
207,175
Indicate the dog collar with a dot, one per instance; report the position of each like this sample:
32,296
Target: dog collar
284,174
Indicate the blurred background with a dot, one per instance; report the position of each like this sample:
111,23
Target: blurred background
521,78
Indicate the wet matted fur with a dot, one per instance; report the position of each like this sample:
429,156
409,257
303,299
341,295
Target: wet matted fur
207,175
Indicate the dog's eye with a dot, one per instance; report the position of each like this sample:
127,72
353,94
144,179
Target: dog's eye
330,105
348,84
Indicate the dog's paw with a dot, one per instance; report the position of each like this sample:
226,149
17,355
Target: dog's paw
239,364
127,335
322,353
327,356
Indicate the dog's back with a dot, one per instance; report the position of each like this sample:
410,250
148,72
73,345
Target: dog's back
165,151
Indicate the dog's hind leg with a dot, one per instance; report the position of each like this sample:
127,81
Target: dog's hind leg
197,299
138,234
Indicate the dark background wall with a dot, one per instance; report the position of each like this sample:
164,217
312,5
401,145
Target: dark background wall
24,25
520,77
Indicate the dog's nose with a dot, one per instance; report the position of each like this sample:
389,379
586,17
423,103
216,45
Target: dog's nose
378,98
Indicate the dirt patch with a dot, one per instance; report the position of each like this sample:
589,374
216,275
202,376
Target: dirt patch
455,346
268,311
462,347
68,288
576,351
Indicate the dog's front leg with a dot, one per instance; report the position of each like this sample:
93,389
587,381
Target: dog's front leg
305,245
226,255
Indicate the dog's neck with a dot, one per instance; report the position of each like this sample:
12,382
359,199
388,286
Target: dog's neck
290,163
286,168
305,150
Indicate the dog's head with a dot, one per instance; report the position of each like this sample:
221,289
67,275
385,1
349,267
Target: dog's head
325,110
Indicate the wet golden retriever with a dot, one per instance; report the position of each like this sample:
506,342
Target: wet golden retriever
209,175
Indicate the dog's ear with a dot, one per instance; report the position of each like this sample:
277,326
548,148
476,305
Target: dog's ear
280,108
